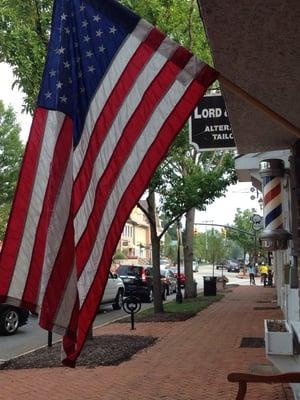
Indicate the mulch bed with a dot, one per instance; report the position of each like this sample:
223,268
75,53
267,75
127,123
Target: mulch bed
101,350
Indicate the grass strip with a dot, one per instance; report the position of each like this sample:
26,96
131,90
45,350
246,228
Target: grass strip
190,307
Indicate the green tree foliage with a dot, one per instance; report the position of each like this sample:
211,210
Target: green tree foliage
11,151
200,246
24,34
242,221
210,246
170,247
4,213
216,246
187,179
177,18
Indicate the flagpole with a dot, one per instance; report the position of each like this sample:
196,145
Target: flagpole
259,105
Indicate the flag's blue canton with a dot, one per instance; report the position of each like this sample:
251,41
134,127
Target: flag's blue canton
83,42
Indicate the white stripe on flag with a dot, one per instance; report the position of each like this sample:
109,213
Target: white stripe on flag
52,128
132,164
57,227
106,87
146,78
67,303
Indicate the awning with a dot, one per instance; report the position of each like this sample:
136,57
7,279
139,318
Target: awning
255,44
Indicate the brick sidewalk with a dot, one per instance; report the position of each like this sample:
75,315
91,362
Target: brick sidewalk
190,361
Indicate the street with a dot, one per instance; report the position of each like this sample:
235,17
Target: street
31,336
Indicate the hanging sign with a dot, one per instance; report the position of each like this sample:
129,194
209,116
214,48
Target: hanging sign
257,222
209,126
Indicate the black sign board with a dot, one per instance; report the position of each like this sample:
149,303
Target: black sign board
209,125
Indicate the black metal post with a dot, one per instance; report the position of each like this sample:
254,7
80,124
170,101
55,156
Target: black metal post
178,292
132,320
255,250
49,338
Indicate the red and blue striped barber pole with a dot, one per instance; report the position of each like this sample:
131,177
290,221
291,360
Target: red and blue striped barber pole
272,202
274,236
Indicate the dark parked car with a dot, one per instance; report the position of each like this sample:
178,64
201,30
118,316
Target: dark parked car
233,266
11,318
221,265
169,280
138,281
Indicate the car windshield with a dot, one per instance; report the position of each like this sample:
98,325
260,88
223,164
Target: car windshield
129,270
174,269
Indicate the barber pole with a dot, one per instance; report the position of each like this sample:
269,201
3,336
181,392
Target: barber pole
273,237
272,202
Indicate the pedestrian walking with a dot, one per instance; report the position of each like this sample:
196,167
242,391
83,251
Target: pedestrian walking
251,272
263,269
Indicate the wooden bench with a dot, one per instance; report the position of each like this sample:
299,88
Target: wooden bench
242,379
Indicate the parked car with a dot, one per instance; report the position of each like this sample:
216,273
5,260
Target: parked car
114,291
233,266
164,262
221,265
138,281
169,280
181,276
11,318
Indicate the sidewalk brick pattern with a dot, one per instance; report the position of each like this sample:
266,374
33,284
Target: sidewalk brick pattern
190,361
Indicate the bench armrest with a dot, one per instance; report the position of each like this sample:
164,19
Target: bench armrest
242,379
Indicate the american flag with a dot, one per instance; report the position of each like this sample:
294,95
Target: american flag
115,93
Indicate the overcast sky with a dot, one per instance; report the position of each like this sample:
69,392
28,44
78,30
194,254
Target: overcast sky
222,211
14,98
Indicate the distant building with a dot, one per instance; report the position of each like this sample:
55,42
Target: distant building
135,242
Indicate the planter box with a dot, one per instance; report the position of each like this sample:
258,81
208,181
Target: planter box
279,342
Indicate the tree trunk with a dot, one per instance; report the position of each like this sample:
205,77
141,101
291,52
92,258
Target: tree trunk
190,289
157,288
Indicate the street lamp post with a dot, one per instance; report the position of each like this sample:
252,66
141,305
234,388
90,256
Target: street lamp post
178,292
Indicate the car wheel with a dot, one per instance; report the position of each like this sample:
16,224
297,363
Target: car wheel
9,321
150,296
117,305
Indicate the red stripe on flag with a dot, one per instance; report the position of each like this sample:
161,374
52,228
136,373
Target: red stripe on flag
18,215
207,76
272,194
156,152
59,164
70,338
133,129
59,278
116,99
